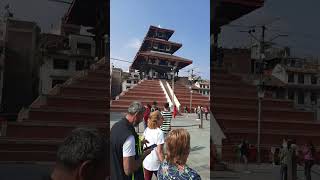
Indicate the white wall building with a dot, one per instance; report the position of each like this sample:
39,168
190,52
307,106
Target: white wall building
203,87
132,80
61,64
302,83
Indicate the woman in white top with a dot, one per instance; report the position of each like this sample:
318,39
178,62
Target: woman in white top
154,135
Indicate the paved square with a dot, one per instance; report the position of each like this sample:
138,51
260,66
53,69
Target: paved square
259,172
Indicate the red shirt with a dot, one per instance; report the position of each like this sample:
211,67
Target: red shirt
146,115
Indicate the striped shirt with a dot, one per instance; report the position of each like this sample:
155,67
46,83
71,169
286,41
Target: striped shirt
166,125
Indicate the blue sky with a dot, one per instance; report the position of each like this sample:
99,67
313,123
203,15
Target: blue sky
190,19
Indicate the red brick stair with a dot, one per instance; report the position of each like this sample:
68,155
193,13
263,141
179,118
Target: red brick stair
82,101
146,91
235,107
182,92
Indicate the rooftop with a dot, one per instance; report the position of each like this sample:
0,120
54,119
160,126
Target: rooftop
153,29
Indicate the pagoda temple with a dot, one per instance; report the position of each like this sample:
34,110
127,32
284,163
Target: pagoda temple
155,59
157,66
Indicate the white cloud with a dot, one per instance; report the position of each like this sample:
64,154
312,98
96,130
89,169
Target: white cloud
159,26
134,43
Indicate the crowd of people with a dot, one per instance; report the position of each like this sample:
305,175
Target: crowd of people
160,151
288,156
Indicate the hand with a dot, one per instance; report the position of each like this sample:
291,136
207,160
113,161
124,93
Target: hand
146,152
144,142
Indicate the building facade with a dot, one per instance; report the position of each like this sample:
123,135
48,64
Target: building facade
131,80
302,82
62,57
203,87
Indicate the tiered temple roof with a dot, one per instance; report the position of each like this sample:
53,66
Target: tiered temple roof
157,51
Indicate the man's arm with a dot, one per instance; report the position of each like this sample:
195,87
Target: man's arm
131,165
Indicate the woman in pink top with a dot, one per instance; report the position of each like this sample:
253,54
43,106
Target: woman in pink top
308,152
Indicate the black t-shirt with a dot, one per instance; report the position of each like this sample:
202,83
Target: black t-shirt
118,135
244,149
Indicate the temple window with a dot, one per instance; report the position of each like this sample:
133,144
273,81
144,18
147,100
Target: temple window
60,64
161,47
291,94
163,62
290,77
155,45
313,98
301,78
160,34
314,79
301,97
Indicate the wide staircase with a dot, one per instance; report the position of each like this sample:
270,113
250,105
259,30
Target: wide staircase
235,107
146,91
82,101
183,94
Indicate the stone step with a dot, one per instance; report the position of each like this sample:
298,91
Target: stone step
270,125
194,103
28,156
199,98
128,102
151,83
118,108
98,74
47,130
28,150
79,91
68,115
147,87
145,94
231,92
135,98
78,102
251,112
188,95
266,102
233,117
275,137
97,82
139,90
